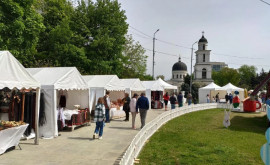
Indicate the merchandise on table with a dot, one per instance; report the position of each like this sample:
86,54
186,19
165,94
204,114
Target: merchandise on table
9,124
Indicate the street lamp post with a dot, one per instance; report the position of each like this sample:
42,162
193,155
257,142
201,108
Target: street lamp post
190,86
153,70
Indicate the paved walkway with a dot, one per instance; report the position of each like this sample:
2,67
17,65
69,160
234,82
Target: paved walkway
78,147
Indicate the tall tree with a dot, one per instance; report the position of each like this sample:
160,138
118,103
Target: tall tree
246,74
225,76
108,27
161,76
56,47
134,59
20,26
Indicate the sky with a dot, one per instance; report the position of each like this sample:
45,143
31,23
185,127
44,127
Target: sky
238,31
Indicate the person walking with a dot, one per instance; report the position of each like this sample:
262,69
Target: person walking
132,107
107,103
166,98
180,99
142,105
217,98
173,101
189,98
126,108
207,98
230,98
227,97
99,118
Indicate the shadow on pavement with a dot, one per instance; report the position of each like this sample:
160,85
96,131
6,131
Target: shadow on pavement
127,128
81,138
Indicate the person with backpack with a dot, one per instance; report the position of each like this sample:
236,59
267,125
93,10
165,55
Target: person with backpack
99,118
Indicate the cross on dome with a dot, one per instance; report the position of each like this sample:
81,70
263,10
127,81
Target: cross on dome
203,33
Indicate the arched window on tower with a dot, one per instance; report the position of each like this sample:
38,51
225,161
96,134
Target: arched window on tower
180,76
203,73
203,57
177,76
173,76
203,46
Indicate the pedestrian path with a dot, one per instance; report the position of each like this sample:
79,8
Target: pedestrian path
78,147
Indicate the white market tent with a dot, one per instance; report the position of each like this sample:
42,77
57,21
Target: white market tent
207,90
13,75
156,85
52,81
132,86
230,88
98,84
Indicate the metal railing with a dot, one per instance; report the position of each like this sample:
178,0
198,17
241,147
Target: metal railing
150,128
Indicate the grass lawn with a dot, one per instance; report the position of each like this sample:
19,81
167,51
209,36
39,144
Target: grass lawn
200,138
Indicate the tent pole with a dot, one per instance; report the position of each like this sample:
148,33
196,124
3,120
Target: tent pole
37,116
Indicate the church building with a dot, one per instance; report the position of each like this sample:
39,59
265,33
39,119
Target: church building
203,67
179,71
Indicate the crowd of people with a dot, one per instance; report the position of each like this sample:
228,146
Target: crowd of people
134,105
216,99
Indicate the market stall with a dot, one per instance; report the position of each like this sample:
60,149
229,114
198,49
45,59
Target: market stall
204,91
98,84
155,91
16,84
133,86
65,96
229,88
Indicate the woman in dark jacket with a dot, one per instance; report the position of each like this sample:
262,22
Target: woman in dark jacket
126,108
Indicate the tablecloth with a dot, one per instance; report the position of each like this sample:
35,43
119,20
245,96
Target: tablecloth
117,113
11,137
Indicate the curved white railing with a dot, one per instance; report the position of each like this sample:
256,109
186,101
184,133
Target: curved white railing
150,128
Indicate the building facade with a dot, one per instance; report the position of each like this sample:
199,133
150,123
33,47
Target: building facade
179,72
203,67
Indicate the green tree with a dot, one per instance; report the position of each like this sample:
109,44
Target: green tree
225,76
107,24
134,60
246,74
56,47
160,76
20,26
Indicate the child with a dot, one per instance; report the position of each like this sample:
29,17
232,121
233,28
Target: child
99,118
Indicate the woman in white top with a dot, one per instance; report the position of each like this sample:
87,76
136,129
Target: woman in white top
133,111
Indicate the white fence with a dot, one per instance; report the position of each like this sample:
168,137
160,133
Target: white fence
150,128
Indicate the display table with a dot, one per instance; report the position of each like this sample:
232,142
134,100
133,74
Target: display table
11,137
117,113
80,118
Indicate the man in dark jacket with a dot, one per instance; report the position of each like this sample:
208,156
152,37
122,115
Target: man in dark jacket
172,101
180,99
142,105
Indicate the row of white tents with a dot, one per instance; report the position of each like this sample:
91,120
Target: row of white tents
212,89
80,90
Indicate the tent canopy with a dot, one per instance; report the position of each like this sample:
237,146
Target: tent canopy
211,86
13,74
150,85
109,82
133,84
204,91
65,78
166,85
158,85
230,87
